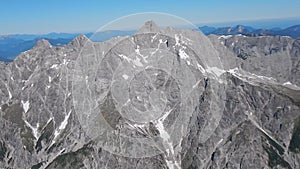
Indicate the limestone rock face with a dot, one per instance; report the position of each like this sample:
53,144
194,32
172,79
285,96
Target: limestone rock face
163,98
271,56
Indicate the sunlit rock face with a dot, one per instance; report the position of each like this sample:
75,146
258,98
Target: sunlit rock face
162,98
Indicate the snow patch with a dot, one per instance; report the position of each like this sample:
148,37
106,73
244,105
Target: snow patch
65,61
49,120
153,37
125,76
137,62
137,51
233,71
34,130
220,142
167,142
182,54
9,93
54,66
177,40
25,105
287,83
125,57
65,122
224,36
202,70
293,86
62,126
265,77
215,70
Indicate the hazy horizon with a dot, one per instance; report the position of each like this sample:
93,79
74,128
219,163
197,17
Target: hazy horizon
264,23
40,17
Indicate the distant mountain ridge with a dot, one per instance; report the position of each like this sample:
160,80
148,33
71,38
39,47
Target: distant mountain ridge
12,45
293,31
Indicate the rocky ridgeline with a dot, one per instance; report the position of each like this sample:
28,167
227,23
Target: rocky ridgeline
259,126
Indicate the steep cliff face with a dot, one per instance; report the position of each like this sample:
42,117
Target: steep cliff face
168,98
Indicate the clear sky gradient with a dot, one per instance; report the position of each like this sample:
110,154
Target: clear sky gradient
44,16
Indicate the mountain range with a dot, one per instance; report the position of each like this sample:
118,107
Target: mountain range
13,45
293,31
161,98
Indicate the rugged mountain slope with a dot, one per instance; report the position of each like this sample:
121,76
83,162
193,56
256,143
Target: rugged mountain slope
271,56
250,102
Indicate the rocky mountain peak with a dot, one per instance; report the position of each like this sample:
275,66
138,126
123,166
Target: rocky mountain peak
79,41
149,26
42,43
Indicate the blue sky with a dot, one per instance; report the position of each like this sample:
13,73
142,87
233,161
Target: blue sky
44,16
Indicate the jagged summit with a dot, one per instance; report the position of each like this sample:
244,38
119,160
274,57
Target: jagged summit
42,43
81,38
149,26
79,41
